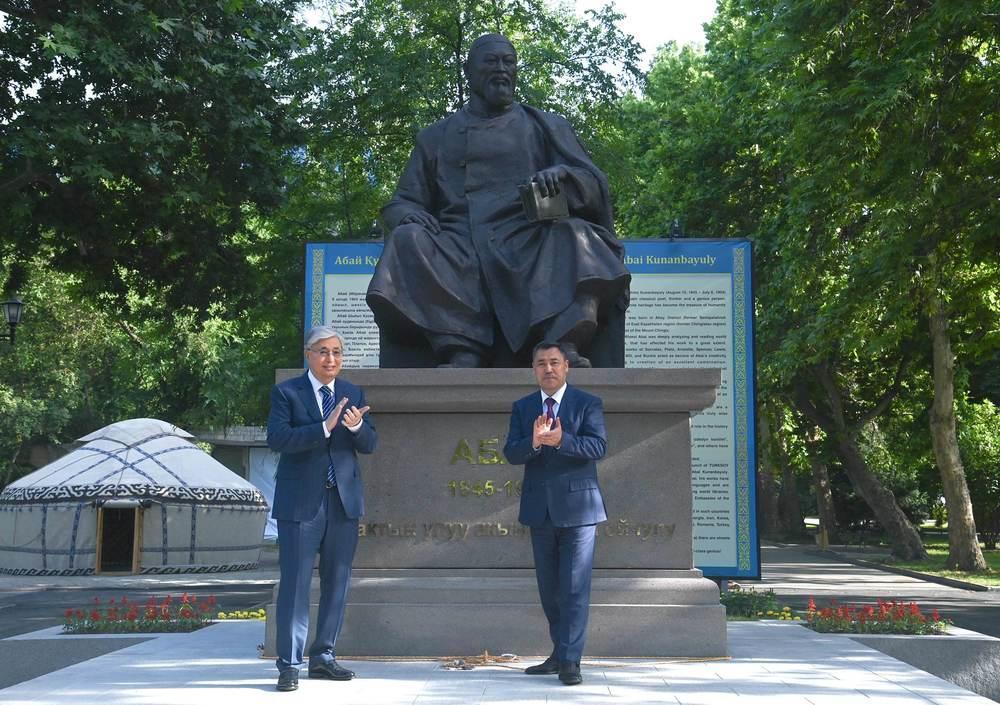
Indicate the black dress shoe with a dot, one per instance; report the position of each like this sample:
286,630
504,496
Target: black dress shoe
548,667
569,673
288,679
331,671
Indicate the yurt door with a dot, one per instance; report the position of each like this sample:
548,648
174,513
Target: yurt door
119,537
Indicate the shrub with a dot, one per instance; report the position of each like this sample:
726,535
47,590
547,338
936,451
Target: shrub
748,603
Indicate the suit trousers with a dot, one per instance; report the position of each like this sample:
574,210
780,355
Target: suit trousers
564,558
334,536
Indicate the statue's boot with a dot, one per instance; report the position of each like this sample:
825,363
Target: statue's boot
457,350
575,327
463,358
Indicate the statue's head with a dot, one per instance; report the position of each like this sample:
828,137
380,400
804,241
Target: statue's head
491,70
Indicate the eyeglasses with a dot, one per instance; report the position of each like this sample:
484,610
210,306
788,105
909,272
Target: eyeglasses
323,352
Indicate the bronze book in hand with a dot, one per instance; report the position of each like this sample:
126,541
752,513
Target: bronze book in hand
538,207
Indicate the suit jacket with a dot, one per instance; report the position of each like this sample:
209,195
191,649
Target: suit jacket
295,430
563,482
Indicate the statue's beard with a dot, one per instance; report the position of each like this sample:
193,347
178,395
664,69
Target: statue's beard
498,93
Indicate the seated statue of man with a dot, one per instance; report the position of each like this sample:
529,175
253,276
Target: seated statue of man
465,261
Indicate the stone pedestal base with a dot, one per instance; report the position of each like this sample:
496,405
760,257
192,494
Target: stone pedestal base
444,568
465,612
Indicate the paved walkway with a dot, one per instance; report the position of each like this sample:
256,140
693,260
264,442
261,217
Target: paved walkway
776,663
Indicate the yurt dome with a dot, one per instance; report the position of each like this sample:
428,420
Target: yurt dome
136,497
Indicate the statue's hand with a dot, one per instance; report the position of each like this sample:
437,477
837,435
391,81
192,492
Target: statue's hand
548,179
422,218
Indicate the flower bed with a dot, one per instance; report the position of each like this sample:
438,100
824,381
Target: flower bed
887,617
184,614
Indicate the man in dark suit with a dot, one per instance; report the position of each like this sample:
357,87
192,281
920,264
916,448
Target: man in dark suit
559,436
318,499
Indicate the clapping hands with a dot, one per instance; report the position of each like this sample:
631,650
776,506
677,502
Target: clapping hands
352,417
546,433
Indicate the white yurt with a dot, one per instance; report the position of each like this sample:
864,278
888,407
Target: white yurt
137,496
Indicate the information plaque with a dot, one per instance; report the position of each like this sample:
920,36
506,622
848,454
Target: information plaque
691,307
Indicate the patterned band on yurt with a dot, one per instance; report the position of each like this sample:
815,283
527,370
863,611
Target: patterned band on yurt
137,496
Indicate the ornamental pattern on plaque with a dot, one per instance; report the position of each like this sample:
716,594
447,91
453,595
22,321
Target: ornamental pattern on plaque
741,396
316,307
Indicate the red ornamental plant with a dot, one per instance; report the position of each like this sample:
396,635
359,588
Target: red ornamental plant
131,617
886,617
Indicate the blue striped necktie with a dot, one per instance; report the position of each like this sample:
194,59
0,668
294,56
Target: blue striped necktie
331,476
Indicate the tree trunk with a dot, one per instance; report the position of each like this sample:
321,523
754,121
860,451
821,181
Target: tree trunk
791,507
905,540
964,552
824,496
767,486
903,536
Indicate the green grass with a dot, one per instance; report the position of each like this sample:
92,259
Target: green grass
938,554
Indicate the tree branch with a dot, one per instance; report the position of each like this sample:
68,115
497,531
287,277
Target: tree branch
886,399
28,176
804,404
130,332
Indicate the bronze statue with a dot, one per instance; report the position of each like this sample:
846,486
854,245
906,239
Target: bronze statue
500,235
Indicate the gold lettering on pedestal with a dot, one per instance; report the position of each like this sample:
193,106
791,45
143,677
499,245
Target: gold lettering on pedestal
460,531
641,530
488,452
462,452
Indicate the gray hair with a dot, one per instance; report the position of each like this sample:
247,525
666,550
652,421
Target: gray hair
322,333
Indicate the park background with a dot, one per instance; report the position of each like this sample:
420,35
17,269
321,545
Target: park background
162,164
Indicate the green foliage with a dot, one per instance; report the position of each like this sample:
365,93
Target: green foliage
132,134
852,143
76,367
749,603
979,441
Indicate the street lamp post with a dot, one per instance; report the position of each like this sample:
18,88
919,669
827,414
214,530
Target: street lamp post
11,309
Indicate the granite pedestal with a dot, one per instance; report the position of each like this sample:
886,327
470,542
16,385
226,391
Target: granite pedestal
444,568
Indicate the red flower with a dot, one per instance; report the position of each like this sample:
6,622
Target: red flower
95,616
69,613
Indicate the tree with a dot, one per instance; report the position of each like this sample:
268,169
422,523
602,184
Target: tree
854,143
134,134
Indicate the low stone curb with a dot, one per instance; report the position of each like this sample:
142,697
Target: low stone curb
950,582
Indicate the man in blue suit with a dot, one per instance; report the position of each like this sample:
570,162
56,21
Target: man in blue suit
318,498
558,435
